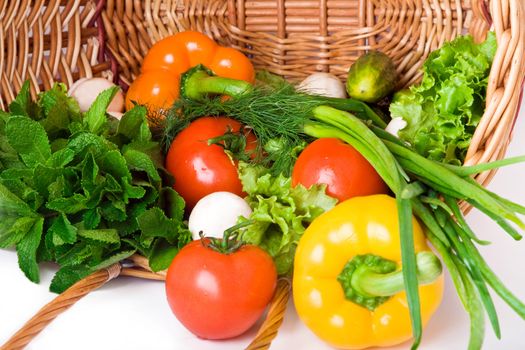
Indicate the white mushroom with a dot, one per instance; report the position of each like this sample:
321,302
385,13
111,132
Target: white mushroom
215,213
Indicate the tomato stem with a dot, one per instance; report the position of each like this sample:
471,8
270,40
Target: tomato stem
370,280
234,143
199,82
229,243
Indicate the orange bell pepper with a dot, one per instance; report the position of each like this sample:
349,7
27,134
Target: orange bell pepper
158,83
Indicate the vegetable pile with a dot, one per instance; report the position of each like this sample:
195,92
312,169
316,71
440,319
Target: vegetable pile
304,185
283,119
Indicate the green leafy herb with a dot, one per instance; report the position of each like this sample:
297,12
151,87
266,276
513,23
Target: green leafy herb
79,191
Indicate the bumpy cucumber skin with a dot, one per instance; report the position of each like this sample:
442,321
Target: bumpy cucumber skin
372,77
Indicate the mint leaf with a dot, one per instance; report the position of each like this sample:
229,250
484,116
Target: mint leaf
95,117
59,108
12,205
69,205
114,211
57,189
18,173
89,173
113,259
162,254
131,191
13,229
29,139
154,223
77,255
27,249
61,158
23,104
45,176
141,162
131,123
108,236
71,188
62,230
67,276
172,203
115,164
91,218
83,141
150,148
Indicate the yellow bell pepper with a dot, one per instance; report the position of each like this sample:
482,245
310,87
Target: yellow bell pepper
347,282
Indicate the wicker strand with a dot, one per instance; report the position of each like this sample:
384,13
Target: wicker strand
269,328
58,305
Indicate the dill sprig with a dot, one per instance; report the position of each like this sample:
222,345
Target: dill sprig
276,115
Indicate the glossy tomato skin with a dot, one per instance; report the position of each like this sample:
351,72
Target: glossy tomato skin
220,296
157,88
341,167
200,169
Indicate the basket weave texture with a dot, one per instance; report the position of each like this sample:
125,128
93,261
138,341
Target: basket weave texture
63,40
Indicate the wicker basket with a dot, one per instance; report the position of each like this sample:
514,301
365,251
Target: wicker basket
59,40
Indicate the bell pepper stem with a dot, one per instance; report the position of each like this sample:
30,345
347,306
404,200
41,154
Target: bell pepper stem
199,82
374,284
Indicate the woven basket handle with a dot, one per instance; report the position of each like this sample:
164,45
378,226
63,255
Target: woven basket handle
267,332
58,305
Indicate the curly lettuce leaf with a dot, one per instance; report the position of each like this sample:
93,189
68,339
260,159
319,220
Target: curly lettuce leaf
280,213
443,111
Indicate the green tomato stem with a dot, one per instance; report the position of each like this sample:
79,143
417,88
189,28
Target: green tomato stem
229,243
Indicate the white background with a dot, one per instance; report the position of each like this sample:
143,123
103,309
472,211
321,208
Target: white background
133,314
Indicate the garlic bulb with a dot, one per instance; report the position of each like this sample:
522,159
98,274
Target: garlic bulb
324,84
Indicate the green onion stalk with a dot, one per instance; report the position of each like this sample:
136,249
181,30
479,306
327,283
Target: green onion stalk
285,118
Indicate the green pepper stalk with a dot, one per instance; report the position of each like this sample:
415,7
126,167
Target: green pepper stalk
200,82
369,280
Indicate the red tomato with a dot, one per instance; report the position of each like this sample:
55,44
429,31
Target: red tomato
155,88
216,295
344,170
200,169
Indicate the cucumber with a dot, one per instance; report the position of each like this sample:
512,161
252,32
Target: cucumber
372,77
